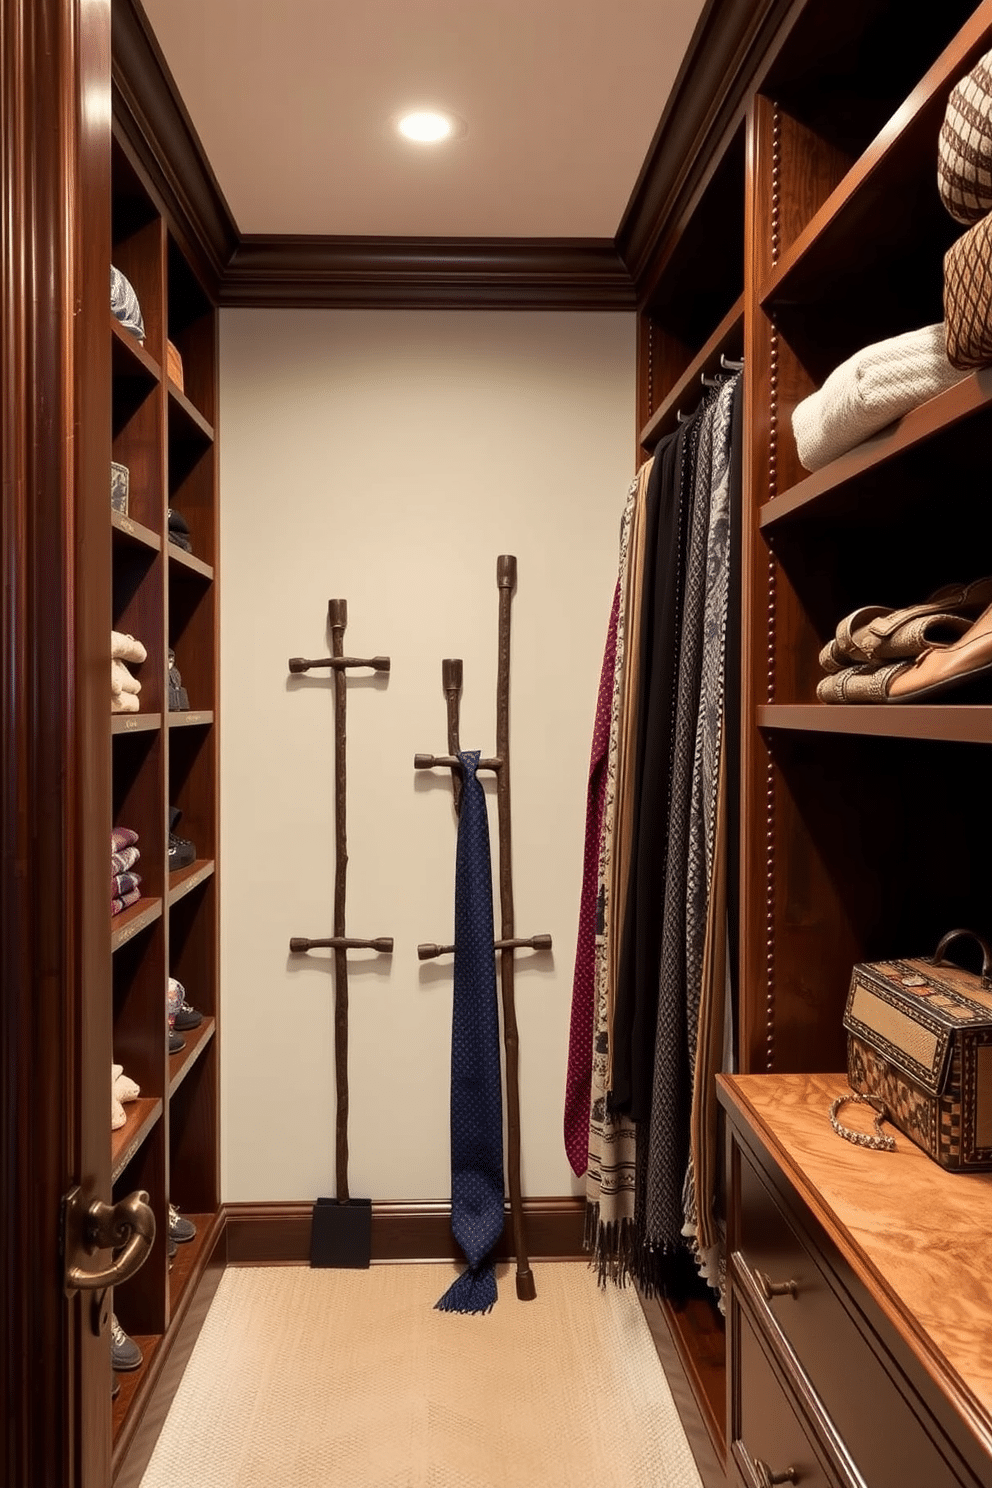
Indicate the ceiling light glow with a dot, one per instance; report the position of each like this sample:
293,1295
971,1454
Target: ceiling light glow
426,128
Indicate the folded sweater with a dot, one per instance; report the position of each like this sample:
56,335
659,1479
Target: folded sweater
124,702
123,860
126,648
121,679
870,390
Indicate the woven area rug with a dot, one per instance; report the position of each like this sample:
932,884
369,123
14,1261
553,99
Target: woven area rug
312,1378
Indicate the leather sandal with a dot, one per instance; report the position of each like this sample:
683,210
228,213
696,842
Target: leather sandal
939,670
874,633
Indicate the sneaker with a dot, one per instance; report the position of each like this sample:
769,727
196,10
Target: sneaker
176,1042
180,1229
188,1017
115,1386
124,1352
173,1248
182,851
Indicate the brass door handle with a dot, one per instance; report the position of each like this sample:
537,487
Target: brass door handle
770,1289
127,1227
767,1478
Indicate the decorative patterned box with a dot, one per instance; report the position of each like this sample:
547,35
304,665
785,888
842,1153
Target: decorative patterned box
919,1037
119,480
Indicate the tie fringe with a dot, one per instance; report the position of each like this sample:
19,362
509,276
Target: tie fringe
472,1291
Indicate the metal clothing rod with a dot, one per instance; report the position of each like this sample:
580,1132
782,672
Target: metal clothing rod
506,580
340,942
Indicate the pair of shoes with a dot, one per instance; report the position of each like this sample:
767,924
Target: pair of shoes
181,1014
124,1352
181,1230
182,852
874,634
176,1041
937,670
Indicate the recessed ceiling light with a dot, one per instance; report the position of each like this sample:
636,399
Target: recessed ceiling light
429,126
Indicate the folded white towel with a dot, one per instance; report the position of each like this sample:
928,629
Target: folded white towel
125,647
870,390
124,702
121,679
125,1089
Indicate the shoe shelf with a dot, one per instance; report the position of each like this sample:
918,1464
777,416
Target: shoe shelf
132,1382
945,721
142,1115
192,719
129,358
185,880
938,422
126,528
191,1257
726,340
189,562
182,1062
134,723
131,921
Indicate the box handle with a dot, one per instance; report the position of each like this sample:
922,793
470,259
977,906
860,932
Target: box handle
940,953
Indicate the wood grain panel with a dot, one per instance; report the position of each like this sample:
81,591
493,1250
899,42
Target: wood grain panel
918,1238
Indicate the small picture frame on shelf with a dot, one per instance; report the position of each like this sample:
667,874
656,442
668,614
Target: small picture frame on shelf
119,481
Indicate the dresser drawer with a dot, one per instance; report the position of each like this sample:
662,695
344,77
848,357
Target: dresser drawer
769,1441
886,1428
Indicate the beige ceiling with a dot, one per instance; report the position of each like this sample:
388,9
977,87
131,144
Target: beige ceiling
293,104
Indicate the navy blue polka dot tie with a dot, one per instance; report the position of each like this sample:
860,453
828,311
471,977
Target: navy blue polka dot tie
476,1090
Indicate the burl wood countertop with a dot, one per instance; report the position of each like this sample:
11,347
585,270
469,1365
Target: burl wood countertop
919,1237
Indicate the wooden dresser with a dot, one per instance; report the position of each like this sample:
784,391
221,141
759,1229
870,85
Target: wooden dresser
859,1300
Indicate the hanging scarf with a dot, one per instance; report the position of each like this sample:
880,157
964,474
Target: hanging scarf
476,1089
609,1232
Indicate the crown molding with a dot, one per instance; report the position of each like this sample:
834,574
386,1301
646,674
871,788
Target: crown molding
434,273
151,116
707,102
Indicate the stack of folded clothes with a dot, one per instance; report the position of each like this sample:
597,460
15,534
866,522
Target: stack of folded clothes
870,390
881,655
124,688
123,1088
124,304
125,882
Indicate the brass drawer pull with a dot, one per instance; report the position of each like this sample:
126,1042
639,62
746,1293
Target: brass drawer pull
768,1290
767,1478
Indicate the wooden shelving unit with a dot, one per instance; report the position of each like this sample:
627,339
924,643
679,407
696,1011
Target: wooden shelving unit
161,760
818,230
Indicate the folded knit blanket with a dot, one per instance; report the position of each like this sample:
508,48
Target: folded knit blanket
122,838
122,901
123,883
869,390
126,648
123,860
121,679
124,702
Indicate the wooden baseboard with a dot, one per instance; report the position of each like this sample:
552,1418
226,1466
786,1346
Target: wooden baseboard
698,1400
279,1234
134,1445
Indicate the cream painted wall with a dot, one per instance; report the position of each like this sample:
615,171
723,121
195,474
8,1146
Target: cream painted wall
388,458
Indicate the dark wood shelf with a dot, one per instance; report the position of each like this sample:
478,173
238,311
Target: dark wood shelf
133,1381
934,418
945,722
189,562
726,340
197,1040
134,723
190,1258
195,718
129,357
881,188
131,921
142,1115
185,880
134,532
183,411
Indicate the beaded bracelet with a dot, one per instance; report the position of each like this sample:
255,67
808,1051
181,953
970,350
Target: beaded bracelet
879,1142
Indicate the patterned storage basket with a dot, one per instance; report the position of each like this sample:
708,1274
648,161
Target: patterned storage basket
968,297
919,1037
964,149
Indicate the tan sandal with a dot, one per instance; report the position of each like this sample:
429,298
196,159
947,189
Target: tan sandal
939,670
874,633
